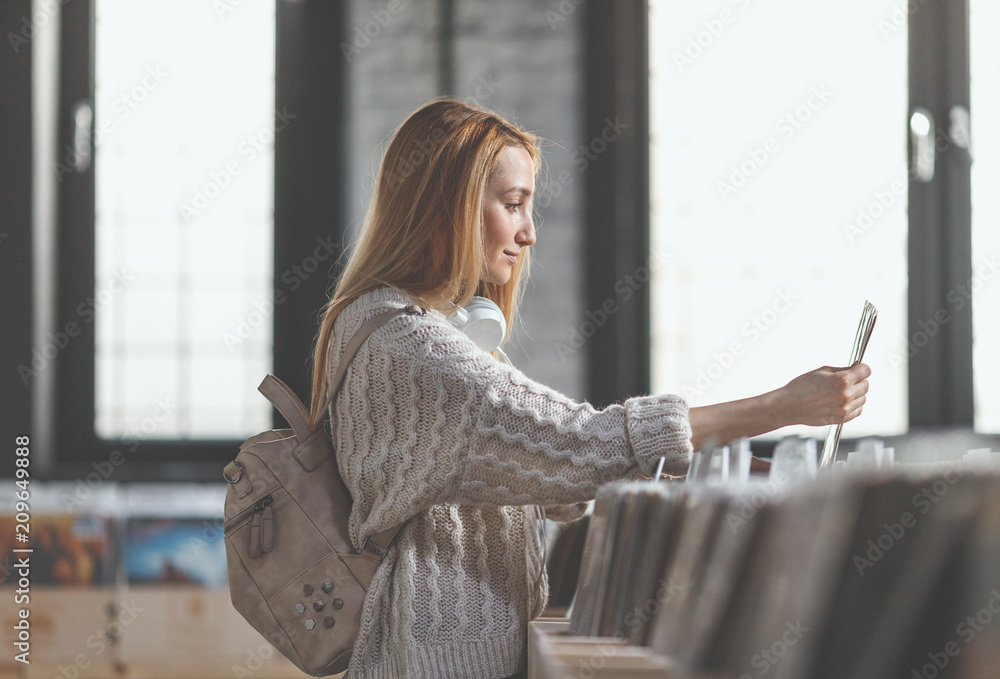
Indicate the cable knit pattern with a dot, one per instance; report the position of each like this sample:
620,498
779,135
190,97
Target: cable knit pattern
431,430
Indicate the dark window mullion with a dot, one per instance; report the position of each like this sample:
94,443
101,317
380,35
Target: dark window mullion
940,251
309,177
75,276
16,237
616,73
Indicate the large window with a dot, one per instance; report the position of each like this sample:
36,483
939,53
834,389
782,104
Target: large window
778,196
184,125
807,158
200,209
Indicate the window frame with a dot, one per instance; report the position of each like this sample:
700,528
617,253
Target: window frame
940,220
311,83
310,80
940,386
17,239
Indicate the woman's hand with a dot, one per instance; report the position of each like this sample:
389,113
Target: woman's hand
826,395
823,396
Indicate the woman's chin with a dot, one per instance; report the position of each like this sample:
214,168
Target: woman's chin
497,277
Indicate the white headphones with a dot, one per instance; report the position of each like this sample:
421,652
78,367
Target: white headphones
482,321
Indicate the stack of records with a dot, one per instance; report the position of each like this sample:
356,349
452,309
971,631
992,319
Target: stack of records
564,563
633,535
883,575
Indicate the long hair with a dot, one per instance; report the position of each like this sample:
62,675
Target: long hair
423,231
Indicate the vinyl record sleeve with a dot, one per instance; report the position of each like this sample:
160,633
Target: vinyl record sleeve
703,518
725,573
665,514
585,603
622,559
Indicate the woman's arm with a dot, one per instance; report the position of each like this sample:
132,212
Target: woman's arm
425,417
824,396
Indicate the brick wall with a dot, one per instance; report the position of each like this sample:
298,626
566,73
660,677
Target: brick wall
509,58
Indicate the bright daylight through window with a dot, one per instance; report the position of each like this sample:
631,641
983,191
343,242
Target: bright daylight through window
184,217
779,192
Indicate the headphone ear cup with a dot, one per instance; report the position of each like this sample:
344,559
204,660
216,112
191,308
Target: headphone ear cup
486,325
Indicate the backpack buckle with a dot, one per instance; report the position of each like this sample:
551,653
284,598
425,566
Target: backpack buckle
375,547
234,476
239,474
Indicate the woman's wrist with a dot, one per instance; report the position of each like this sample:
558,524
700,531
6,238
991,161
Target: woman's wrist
724,422
778,409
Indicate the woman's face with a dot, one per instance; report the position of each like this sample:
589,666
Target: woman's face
507,224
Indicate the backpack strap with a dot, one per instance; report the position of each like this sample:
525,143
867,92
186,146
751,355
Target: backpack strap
367,328
288,404
291,408
380,542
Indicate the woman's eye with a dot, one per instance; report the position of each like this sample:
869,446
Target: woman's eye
513,206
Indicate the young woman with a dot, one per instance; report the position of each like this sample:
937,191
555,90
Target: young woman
433,431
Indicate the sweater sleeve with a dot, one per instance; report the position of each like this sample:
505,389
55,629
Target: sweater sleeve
425,417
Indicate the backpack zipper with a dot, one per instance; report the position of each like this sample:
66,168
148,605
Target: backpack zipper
261,517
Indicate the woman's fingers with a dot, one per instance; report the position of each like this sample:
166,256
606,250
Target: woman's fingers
855,408
856,378
830,395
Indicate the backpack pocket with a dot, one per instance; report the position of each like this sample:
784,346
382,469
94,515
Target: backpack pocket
287,580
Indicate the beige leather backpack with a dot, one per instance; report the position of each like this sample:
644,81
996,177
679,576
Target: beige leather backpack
293,573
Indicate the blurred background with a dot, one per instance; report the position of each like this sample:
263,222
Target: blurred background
725,184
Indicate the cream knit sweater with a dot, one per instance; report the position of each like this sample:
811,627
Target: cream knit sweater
431,430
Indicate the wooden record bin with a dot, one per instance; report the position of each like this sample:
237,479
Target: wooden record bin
554,654
874,574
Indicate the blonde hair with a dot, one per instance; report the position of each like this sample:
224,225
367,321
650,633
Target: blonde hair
423,230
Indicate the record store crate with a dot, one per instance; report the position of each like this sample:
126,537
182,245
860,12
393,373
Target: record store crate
553,654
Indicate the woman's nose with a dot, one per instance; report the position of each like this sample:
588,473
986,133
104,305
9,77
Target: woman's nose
526,236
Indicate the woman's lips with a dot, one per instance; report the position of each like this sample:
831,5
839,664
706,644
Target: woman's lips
511,258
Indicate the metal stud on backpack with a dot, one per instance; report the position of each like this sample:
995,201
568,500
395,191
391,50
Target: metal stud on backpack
293,572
